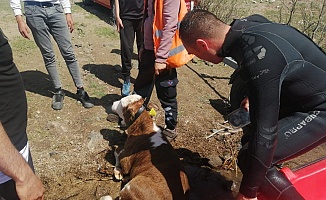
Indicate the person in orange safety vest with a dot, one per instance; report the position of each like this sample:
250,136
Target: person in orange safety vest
162,53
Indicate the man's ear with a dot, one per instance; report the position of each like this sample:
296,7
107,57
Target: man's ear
202,44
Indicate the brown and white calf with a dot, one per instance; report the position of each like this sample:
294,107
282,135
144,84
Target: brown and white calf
153,165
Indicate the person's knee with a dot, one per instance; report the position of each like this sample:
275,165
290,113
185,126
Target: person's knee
277,186
69,57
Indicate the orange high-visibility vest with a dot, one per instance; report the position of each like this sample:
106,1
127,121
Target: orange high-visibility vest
178,54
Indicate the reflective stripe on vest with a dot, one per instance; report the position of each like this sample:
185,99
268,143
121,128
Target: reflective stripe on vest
176,50
158,33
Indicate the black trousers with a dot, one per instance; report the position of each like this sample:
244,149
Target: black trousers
132,29
8,189
165,84
297,134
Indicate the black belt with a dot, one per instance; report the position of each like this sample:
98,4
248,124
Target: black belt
39,4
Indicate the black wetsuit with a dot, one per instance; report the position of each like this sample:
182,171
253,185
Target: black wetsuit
13,103
13,109
285,75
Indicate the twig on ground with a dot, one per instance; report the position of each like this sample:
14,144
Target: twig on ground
215,132
93,179
226,129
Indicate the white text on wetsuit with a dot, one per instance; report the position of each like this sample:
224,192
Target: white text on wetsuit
303,123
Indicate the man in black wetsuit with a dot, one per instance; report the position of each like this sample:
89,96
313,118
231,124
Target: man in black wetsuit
17,179
284,72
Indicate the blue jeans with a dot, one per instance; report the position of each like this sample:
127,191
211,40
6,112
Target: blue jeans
46,21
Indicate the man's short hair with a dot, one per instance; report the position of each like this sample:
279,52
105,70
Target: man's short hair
199,23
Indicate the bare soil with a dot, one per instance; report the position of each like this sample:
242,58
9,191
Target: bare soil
72,148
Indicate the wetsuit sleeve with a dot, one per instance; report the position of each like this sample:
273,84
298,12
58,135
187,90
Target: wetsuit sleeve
262,73
13,103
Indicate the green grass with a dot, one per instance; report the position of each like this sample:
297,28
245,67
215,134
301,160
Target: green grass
91,16
97,90
79,27
4,6
20,44
107,32
273,14
6,13
76,8
7,18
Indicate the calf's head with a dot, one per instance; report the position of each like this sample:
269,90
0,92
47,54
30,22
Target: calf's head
127,107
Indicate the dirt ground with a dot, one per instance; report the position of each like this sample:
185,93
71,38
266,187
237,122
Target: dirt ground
72,148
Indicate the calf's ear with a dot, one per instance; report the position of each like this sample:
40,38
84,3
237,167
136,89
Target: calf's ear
115,106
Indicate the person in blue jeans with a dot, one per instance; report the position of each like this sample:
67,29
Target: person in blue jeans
53,17
129,18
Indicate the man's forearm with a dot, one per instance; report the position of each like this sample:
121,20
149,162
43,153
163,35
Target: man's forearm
19,19
117,8
11,162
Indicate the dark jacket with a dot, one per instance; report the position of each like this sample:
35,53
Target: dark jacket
131,9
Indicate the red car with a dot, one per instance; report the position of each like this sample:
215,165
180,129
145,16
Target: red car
105,3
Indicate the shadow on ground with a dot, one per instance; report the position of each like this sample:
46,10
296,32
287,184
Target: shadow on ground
107,73
221,106
40,83
205,183
118,52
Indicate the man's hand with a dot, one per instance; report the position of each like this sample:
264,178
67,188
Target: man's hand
242,197
119,23
70,22
22,27
245,104
28,185
30,189
159,67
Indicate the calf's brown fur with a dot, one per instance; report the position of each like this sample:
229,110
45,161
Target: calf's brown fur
154,167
